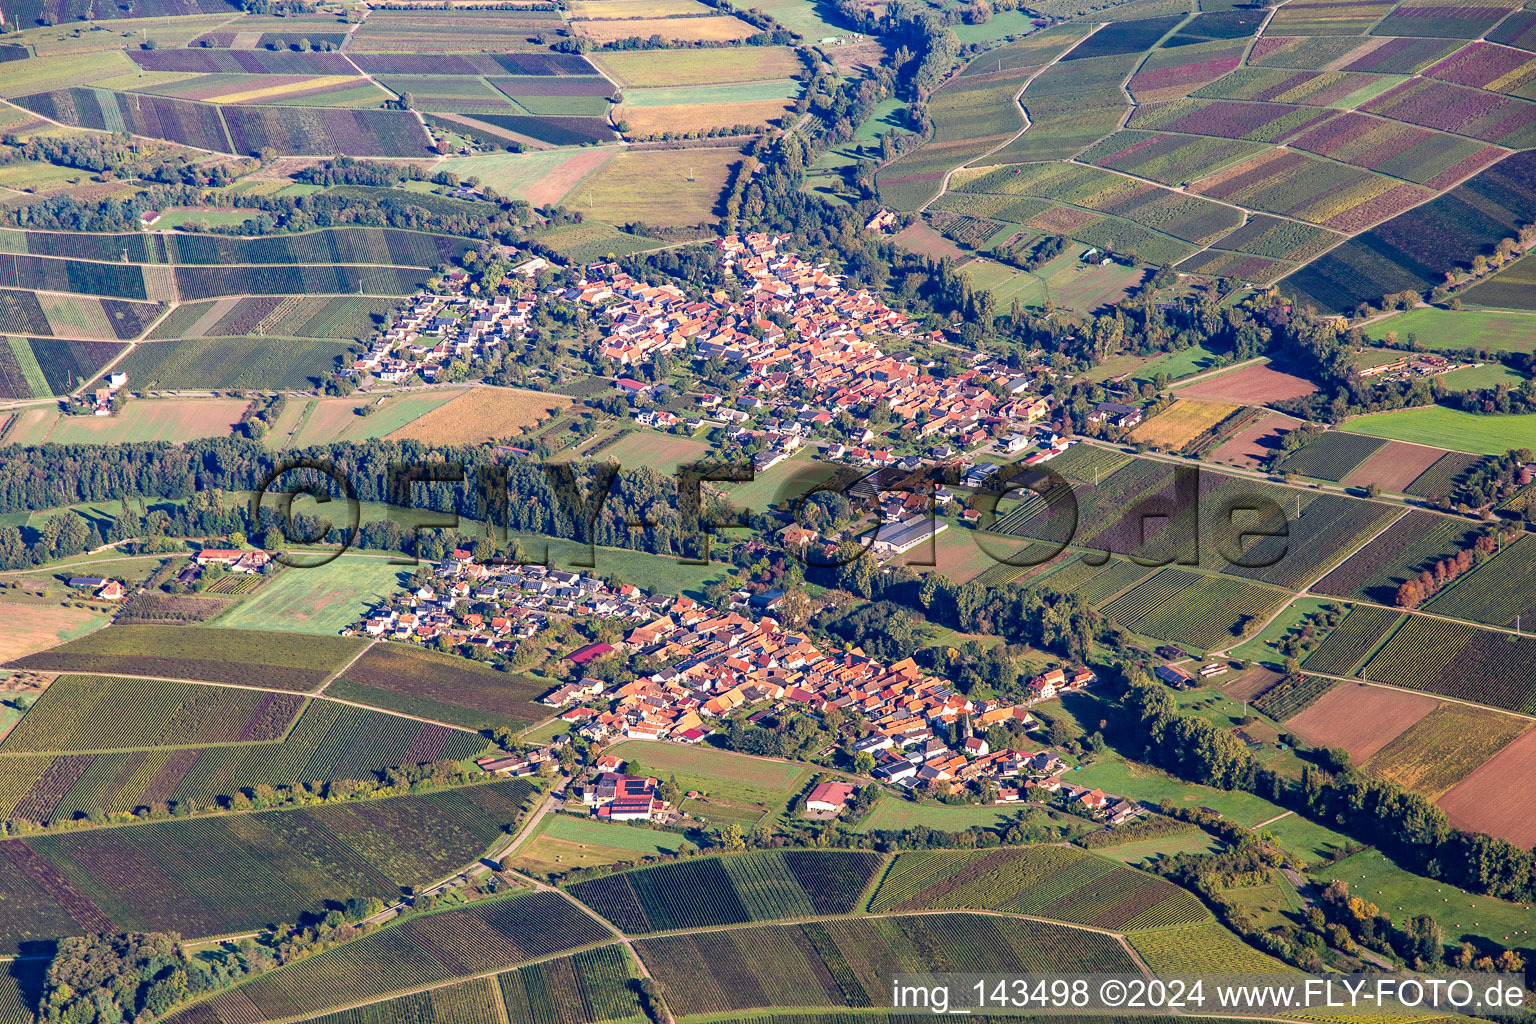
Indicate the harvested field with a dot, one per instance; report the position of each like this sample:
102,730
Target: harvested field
1444,747
1361,719
664,187
1252,446
1252,385
337,419
33,627
1495,798
923,240
1251,683
1182,422
643,121
483,414
157,420
538,178
602,10
1394,467
713,28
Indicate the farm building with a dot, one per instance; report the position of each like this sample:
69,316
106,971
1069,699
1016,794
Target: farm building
907,536
829,797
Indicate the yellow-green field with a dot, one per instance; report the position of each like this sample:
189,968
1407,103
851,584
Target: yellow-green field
34,625
660,68
563,842
320,600
324,420
665,187
484,414
539,177
1182,422
643,121
42,73
163,419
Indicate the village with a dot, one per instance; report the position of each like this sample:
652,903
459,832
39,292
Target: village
528,598
915,731
808,352
434,330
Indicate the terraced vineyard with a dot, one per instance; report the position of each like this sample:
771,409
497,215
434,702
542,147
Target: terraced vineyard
217,875
1459,661
1342,650
285,661
850,962
1058,882
758,886
594,987
329,741
422,951
81,713
1204,948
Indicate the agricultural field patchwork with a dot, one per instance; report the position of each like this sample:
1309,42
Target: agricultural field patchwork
420,952
177,875
1171,73
662,187
1333,456
484,414
1409,547
1444,747
282,661
848,963
441,687
596,985
1510,288
1183,422
1351,640
83,713
978,114
1204,612
1399,253
1157,209
757,886
329,740
1197,948
1047,881
1495,592
233,363
1456,660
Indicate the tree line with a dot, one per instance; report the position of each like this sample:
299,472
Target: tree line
1406,826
